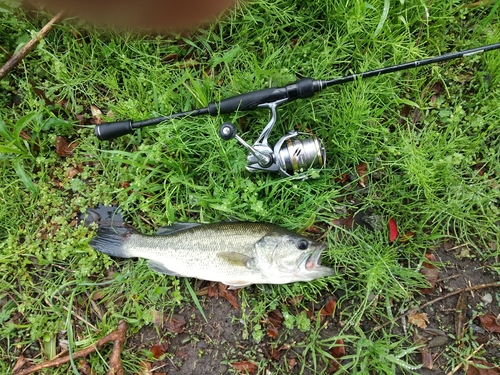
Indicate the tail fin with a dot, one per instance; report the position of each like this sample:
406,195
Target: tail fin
111,241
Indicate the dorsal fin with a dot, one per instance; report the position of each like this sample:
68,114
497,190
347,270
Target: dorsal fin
175,227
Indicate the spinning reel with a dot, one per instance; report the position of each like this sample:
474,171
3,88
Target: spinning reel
291,155
295,152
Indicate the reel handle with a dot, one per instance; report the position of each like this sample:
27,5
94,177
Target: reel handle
228,131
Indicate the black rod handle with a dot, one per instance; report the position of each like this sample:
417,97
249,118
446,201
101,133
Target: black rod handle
111,130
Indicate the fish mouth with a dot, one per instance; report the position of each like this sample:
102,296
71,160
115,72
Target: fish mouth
314,259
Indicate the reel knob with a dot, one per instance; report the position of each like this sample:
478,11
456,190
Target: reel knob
227,131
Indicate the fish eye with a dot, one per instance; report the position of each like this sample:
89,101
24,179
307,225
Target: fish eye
302,245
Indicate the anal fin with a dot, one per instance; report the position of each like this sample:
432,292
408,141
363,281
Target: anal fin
160,268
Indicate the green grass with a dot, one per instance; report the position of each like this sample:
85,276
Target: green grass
435,171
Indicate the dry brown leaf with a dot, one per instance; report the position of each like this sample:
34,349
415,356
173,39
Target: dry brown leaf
483,368
158,350
362,169
295,300
96,115
145,368
274,353
420,320
84,368
431,273
272,331
175,323
73,171
182,354
329,308
275,317
338,351
229,295
245,367
63,148
291,363
490,323
423,348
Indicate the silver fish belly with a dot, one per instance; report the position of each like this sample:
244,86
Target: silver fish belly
234,253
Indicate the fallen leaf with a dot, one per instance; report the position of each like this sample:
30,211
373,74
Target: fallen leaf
213,291
272,331
21,361
145,368
362,169
73,171
96,115
80,119
343,179
338,351
291,363
427,361
295,300
245,367
182,354
274,353
483,368
84,368
229,295
275,317
420,320
406,237
329,308
431,273
314,229
63,148
460,315
393,230
158,350
424,349
490,323
175,323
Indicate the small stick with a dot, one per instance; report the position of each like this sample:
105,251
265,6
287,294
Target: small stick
28,47
457,367
116,368
458,291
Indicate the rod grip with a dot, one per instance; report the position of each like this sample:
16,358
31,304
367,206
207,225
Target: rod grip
112,130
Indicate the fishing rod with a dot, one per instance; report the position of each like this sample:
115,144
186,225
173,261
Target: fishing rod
294,152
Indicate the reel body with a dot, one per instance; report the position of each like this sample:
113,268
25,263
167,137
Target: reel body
293,154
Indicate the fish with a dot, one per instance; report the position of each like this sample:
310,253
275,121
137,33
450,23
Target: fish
237,253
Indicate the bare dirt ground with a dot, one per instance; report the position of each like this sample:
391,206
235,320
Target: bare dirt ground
453,326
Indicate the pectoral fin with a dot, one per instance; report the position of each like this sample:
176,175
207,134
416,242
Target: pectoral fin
237,259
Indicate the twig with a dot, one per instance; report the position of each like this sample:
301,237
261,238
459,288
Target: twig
28,47
457,367
478,4
116,368
458,291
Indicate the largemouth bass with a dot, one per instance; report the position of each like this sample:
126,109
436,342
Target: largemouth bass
234,253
